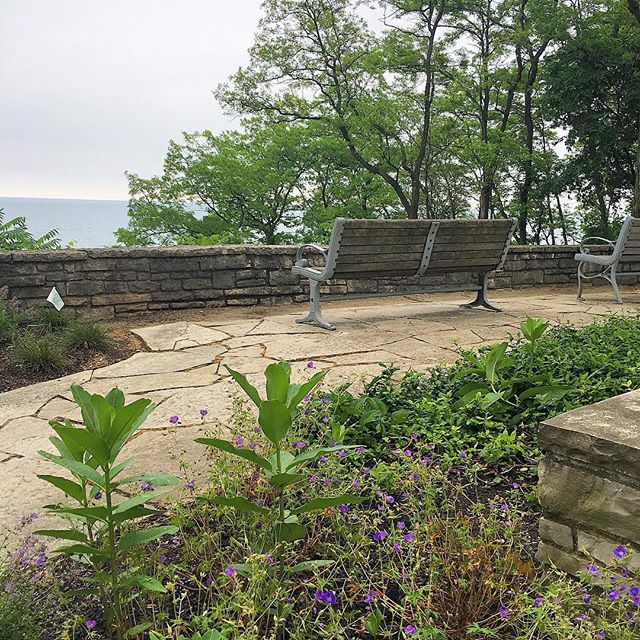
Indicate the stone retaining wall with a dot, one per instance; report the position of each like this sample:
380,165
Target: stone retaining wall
589,484
103,283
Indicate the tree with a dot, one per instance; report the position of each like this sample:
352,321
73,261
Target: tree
236,186
594,92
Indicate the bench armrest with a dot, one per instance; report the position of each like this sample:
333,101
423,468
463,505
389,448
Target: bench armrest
584,249
301,260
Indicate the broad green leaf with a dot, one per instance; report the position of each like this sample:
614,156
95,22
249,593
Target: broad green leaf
285,479
146,582
137,630
305,389
141,498
226,446
145,535
115,398
286,458
274,420
83,400
104,414
67,448
290,532
70,487
76,467
493,359
317,504
311,454
277,376
157,479
82,549
247,387
84,438
309,565
133,514
551,392
240,503
62,534
126,422
119,468
90,513
491,398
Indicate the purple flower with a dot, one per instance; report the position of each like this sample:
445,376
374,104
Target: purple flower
516,485
313,478
634,591
369,597
361,449
328,597
537,602
408,453
258,525
238,440
325,420
204,412
343,508
174,420
410,630
146,486
397,547
163,558
379,535
190,485
366,471
636,601
99,495
624,573
230,571
355,484
463,454
389,499
586,599
268,557
592,569
401,525
579,620
600,634
209,581
342,453
90,623
310,364
504,612
408,537
619,552
613,595
425,460
414,436
252,446
325,400
298,445
322,459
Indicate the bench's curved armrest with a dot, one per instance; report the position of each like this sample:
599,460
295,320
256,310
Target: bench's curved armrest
301,260
584,249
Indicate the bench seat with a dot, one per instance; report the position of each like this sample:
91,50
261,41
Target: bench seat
369,249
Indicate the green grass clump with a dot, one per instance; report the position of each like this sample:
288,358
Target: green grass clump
39,353
50,320
89,336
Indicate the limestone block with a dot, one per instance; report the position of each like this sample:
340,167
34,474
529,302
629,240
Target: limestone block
559,534
589,499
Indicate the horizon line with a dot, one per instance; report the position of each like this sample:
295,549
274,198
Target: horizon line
59,198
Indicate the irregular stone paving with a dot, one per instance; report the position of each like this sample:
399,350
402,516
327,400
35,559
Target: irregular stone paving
183,370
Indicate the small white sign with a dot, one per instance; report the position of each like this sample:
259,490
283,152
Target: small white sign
55,299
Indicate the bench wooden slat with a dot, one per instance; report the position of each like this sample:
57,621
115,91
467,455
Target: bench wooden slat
478,246
382,267
366,259
377,250
381,240
463,264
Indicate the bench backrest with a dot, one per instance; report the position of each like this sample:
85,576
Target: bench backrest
370,248
627,247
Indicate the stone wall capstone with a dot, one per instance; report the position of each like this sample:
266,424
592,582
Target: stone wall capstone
589,484
105,283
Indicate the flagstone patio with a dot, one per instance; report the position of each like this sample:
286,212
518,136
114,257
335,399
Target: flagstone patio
183,370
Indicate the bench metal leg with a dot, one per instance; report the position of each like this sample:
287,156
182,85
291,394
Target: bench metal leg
609,274
580,276
315,315
481,297
614,284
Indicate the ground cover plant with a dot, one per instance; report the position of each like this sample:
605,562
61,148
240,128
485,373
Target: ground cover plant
40,344
421,519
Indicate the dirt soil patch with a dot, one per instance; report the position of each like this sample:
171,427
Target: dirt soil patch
123,345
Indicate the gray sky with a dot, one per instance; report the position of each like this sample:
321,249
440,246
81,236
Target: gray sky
91,88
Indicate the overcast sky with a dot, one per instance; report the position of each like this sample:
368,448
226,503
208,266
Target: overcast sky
89,88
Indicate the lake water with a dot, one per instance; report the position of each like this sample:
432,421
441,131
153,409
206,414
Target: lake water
85,223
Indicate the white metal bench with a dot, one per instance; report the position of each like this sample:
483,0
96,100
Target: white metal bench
367,249
625,250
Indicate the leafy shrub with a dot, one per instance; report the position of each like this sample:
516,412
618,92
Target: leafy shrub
103,534
577,366
15,235
88,335
38,354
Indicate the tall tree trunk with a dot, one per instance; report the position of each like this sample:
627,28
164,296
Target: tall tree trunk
485,200
527,181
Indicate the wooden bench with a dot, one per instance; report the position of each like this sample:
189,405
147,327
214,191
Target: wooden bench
369,249
626,250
